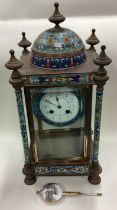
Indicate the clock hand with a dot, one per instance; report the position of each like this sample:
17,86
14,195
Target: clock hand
50,102
57,99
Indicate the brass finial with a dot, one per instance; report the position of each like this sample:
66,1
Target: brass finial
92,40
57,17
13,63
102,59
24,43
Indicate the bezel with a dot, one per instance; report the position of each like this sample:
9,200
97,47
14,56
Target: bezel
37,111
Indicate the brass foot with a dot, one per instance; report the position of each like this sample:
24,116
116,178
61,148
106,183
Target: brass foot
28,171
94,171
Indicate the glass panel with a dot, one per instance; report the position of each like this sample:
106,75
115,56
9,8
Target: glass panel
60,145
59,122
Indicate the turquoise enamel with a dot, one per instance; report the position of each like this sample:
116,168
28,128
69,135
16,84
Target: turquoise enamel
98,109
61,50
23,125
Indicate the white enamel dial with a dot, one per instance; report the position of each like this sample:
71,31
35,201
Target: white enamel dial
59,106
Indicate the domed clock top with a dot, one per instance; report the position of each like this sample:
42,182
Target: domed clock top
65,41
58,48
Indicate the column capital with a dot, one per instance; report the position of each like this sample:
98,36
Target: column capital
16,80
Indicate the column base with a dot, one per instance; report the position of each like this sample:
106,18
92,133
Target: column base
28,171
94,171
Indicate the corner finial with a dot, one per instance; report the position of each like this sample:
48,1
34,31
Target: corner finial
92,40
57,17
24,43
13,63
102,59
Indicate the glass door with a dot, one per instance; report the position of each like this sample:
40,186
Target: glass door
59,123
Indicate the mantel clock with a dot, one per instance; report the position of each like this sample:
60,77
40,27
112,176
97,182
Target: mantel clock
54,82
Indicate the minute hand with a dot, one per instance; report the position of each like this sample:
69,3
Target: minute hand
50,103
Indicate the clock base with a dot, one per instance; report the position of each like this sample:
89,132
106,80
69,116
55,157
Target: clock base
29,181
28,171
94,180
94,171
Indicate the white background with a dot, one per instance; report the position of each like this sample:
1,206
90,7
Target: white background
17,9
17,16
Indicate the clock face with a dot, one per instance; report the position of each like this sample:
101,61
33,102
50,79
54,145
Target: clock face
58,107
